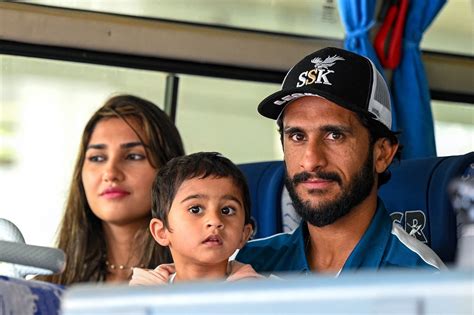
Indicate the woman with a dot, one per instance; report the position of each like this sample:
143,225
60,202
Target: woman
104,230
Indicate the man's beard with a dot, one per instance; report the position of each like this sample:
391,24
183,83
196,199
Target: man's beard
328,212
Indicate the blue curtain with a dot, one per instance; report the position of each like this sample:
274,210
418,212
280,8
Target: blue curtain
358,18
410,92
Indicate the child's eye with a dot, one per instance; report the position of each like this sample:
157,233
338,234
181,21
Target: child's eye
195,210
228,211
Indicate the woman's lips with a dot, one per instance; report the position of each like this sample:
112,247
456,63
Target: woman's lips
114,193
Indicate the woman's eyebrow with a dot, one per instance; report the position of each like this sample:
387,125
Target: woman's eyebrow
131,144
127,145
96,146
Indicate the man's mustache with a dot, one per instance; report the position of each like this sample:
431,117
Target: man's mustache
304,176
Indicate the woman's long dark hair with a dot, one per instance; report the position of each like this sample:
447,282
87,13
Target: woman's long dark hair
81,235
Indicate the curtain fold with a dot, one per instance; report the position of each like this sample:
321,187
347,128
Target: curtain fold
411,101
410,91
358,18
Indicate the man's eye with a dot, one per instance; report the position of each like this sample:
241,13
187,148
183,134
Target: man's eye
195,210
297,137
228,211
335,136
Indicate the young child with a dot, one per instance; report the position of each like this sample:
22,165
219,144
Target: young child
201,211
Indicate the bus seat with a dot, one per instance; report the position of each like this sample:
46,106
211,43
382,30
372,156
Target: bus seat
416,197
19,260
20,296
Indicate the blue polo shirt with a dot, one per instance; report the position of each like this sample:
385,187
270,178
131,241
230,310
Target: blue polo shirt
384,244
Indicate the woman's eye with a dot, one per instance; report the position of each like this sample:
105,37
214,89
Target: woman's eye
96,158
135,156
228,211
195,210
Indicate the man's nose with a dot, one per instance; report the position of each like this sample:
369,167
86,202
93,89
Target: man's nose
314,156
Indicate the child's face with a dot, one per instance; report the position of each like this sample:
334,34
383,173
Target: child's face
206,222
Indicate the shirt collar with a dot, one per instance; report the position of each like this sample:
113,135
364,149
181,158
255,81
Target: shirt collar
368,253
299,240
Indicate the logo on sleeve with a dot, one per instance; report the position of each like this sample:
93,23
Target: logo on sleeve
319,74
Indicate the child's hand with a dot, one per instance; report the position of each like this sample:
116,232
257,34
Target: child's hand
160,275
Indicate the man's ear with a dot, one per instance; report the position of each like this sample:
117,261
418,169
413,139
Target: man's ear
246,235
159,232
384,152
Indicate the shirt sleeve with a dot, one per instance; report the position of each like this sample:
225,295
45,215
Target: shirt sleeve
159,275
240,271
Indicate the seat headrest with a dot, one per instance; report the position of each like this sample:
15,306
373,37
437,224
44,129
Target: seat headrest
417,197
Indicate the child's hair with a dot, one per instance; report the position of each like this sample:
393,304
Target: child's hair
197,165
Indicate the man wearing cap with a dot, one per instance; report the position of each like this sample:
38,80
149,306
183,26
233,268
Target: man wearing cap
334,119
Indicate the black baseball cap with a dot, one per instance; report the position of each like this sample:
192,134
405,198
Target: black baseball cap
340,76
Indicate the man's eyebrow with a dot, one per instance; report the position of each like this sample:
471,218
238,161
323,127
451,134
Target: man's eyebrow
127,145
337,128
325,128
288,130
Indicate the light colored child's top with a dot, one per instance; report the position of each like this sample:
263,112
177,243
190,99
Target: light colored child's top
165,273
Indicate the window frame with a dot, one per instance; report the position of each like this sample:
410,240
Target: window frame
108,39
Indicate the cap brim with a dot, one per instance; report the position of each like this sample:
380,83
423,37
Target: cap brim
273,105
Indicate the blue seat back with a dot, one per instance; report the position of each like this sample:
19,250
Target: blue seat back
266,181
416,196
20,296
